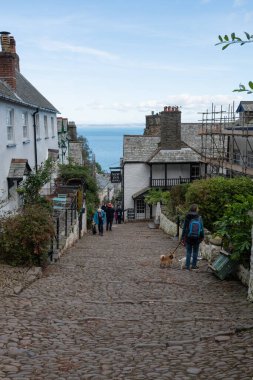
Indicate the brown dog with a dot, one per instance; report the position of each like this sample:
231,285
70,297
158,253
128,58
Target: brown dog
166,260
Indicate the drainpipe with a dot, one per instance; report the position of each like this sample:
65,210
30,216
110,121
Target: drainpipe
35,140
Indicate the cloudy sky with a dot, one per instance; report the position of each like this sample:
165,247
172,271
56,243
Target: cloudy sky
114,61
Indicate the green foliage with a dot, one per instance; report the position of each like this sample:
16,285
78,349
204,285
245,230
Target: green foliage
177,199
212,195
84,173
233,39
32,185
86,151
25,237
99,168
156,195
235,226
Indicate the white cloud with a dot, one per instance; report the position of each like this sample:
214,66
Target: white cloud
191,106
58,46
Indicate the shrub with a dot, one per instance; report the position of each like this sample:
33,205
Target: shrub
73,170
25,237
212,196
156,195
235,227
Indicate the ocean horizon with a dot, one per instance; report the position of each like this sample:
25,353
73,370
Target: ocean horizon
106,141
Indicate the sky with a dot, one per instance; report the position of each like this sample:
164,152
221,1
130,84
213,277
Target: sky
115,61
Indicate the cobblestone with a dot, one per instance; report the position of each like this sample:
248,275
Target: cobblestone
107,311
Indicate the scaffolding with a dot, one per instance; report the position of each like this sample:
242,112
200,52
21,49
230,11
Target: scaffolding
227,142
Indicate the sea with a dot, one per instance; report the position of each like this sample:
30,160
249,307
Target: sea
106,141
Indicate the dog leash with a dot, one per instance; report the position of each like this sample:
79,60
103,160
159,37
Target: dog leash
172,253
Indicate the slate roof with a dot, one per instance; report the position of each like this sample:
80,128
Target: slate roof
174,156
25,94
18,168
141,192
245,106
139,148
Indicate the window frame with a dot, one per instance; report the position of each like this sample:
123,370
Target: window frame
10,125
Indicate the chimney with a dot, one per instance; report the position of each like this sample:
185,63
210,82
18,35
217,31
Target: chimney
170,129
72,131
9,60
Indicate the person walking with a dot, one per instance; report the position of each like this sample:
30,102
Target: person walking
119,214
109,216
100,219
192,235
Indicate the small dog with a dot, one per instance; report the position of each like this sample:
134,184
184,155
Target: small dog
183,262
166,260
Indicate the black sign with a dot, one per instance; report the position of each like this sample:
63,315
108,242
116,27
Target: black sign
116,177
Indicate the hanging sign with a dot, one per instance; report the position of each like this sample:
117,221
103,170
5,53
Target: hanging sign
116,177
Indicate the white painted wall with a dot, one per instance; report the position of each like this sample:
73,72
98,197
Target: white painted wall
23,148
136,177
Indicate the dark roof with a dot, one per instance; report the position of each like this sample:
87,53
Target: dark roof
25,94
138,148
182,155
141,192
18,168
245,106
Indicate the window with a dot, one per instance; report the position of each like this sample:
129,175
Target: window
24,117
250,160
52,126
37,123
140,206
236,157
195,171
45,126
10,124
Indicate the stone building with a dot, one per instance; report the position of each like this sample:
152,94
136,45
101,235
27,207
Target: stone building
28,125
157,159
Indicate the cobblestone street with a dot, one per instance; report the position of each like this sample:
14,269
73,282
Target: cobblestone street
106,311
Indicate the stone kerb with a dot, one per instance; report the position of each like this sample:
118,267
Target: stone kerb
210,250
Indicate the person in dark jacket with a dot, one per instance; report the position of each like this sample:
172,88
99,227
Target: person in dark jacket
119,214
191,238
109,216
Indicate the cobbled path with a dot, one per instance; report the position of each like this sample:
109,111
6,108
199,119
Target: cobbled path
106,311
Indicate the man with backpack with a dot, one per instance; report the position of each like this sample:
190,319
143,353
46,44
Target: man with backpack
192,235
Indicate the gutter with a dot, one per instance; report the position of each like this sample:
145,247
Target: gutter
35,139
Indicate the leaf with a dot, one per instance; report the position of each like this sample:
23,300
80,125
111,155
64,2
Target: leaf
226,38
225,46
220,38
251,85
242,87
233,36
247,35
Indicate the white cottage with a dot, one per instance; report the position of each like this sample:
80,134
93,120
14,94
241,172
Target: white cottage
28,125
157,159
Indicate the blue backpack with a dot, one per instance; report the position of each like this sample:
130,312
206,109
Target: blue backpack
195,228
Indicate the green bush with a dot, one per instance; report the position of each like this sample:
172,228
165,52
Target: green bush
73,170
213,195
25,237
235,227
154,196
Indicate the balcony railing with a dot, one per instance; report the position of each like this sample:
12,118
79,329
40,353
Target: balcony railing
169,182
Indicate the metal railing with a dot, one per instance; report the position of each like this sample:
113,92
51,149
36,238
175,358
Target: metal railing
169,182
